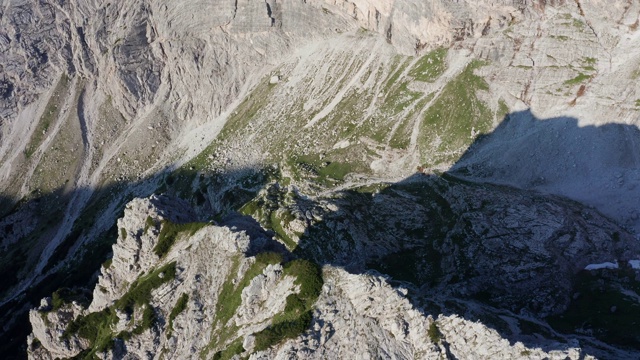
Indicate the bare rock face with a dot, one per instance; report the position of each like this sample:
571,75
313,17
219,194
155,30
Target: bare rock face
208,296
262,298
347,305
169,76
49,327
134,262
348,108
379,319
134,253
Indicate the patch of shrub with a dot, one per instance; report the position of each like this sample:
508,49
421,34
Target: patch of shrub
434,333
95,327
148,320
234,349
35,344
297,314
140,291
308,276
269,258
64,296
294,304
229,298
169,234
181,305
283,330
148,223
578,79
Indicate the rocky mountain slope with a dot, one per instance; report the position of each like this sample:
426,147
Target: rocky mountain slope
156,300
468,158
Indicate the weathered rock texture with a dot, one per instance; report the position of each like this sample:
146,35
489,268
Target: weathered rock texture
101,102
355,314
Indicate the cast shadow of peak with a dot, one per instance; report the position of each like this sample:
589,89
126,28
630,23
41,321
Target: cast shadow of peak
419,231
596,165
482,247
482,252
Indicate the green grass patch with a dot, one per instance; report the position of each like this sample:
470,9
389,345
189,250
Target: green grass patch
169,233
335,170
140,291
250,208
51,112
278,332
235,348
400,63
241,117
371,188
578,79
149,223
276,225
97,327
398,99
449,124
324,172
401,138
178,308
297,315
229,298
308,275
431,66
148,320
503,110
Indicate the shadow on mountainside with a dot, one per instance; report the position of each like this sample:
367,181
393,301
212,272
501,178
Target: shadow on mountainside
28,225
596,165
490,252
512,258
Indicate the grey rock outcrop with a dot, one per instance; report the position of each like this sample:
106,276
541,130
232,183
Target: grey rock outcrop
356,313
134,254
205,260
48,328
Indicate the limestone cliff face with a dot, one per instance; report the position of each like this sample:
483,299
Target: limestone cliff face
162,73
